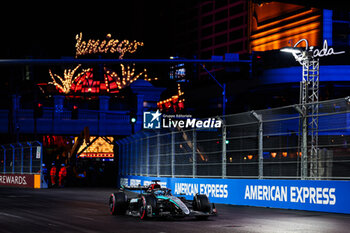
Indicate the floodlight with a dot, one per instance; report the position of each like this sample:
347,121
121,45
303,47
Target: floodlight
290,50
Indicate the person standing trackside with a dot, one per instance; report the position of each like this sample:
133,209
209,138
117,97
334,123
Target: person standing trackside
53,172
45,174
62,175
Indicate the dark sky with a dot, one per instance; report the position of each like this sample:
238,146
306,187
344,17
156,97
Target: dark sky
48,31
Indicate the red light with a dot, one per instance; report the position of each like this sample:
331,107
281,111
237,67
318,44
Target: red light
258,57
39,105
75,107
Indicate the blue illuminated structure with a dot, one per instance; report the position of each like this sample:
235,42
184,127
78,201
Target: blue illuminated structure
329,73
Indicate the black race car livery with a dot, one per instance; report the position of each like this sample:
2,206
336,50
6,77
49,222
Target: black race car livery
155,201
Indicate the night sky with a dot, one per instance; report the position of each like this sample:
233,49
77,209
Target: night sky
48,31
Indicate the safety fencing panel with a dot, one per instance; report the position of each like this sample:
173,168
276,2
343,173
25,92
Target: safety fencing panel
21,164
281,143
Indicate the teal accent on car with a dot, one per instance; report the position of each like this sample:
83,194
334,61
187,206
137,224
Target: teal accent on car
167,198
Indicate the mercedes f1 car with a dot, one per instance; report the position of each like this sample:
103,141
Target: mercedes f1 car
155,201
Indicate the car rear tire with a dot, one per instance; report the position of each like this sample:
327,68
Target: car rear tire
118,203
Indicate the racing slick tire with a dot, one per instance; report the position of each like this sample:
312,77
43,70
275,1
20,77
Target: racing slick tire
147,200
201,203
118,203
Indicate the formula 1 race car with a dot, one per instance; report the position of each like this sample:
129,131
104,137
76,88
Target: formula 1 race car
155,201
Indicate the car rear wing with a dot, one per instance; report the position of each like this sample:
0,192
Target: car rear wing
139,187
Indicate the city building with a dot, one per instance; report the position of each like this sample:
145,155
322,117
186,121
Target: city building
257,30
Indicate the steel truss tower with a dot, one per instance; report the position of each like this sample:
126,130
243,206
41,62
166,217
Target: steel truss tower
309,97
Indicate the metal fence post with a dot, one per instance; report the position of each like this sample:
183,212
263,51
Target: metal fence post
158,154
258,118
122,158
128,158
21,157
136,156
173,154
304,150
302,112
40,147
119,159
125,157
13,158
141,157
147,156
194,153
4,158
223,155
30,157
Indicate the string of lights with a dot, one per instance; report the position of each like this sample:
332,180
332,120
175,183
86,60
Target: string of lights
67,80
175,99
84,82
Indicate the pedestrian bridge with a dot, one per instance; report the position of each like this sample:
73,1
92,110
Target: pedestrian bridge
63,123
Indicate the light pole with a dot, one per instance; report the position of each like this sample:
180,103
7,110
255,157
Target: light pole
222,86
309,96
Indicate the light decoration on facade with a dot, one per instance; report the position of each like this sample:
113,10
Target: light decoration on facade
98,149
176,101
105,46
63,84
112,81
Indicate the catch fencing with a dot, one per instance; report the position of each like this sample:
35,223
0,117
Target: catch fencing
21,158
21,165
279,143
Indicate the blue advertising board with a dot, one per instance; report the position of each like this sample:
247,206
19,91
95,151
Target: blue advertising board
325,196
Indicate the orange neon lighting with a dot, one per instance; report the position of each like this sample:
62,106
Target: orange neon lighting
98,149
276,22
282,32
299,24
276,41
97,155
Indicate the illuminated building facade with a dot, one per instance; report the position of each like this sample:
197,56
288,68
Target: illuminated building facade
209,28
259,29
275,25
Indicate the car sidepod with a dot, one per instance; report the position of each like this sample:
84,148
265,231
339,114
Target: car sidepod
178,204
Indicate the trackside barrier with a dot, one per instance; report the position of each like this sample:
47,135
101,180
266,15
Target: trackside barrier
21,165
312,195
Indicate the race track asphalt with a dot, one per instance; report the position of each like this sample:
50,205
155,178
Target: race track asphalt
86,210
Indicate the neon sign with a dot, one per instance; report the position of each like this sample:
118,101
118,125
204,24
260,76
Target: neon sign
310,51
105,46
